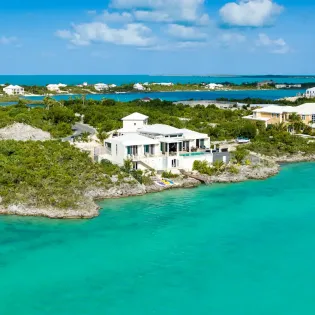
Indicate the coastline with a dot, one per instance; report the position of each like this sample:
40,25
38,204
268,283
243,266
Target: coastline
89,208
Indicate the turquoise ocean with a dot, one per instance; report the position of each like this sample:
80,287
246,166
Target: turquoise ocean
232,249
124,79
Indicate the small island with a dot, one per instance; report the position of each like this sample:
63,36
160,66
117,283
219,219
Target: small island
8,89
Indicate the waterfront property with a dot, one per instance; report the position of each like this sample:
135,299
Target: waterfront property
310,92
55,87
159,147
13,90
288,86
101,87
275,114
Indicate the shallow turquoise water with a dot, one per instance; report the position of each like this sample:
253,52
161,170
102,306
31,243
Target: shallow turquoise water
227,249
122,79
186,95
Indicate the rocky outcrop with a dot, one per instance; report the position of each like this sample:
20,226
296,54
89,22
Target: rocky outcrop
87,210
23,132
257,172
290,158
179,182
125,189
245,172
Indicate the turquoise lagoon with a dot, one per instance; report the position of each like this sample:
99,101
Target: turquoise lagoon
243,249
187,95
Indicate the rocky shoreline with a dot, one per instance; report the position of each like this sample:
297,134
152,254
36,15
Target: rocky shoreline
89,209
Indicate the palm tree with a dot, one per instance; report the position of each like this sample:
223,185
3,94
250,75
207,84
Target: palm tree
295,122
280,127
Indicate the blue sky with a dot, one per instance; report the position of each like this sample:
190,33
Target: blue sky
157,37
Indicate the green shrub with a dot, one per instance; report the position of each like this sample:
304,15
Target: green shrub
169,175
47,173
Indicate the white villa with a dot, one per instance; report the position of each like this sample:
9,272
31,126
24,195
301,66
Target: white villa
213,86
14,90
55,87
310,92
101,86
138,87
159,147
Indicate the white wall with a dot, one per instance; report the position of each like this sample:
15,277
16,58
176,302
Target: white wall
134,125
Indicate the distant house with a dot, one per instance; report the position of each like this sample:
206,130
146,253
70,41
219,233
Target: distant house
281,86
164,83
14,90
275,114
288,86
55,87
265,83
213,86
101,87
139,87
310,92
146,99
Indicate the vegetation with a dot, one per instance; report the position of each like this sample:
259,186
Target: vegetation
47,173
219,124
273,142
169,175
57,120
240,154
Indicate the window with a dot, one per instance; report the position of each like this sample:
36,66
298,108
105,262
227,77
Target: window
116,149
303,117
313,118
135,124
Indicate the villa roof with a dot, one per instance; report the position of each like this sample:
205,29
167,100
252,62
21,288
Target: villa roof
160,129
311,89
135,116
133,139
13,87
306,109
275,109
190,134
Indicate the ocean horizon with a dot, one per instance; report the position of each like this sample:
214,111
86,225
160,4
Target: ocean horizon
125,79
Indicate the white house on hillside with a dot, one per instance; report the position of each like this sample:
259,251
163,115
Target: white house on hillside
101,86
14,90
310,92
55,87
138,87
160,147
132,123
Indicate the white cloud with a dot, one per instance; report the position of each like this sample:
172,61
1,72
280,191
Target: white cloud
152,16
171,11
276,46
4,40
134,34
253,13
64,34
185,32
173,46
118,17
229,38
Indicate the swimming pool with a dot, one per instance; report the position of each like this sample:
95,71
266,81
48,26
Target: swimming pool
193,154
